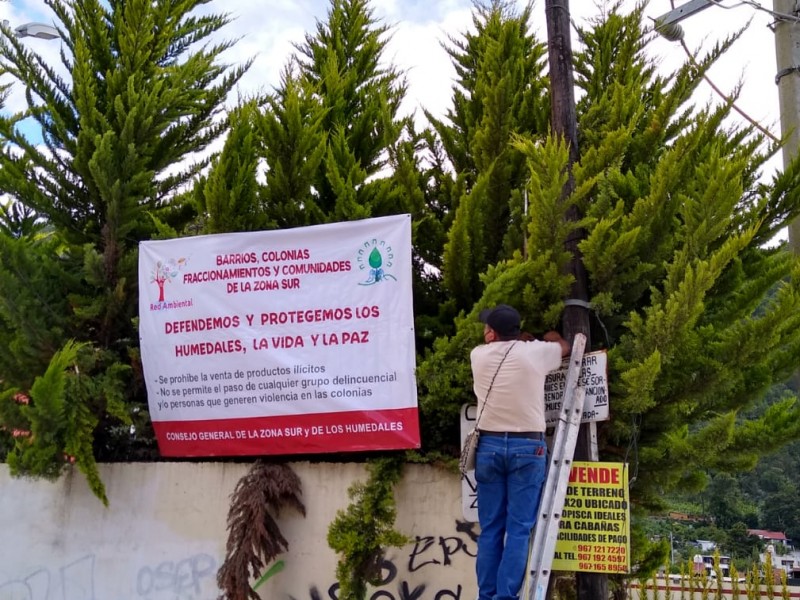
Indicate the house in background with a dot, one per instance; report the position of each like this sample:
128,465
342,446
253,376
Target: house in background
706,546
705,563
771,537
788,561
784,563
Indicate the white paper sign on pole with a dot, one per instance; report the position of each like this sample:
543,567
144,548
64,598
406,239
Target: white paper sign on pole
593,379
281,342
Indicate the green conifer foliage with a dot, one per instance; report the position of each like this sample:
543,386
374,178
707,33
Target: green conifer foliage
229,195
294,147
699,317
119,132
501,91
54,422
335,148
677,266
361,534
359,99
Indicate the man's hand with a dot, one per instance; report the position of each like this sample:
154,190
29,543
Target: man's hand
554,336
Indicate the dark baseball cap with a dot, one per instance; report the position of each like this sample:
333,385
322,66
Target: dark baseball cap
504,319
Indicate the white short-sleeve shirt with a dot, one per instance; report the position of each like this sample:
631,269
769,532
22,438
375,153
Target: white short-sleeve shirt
516,399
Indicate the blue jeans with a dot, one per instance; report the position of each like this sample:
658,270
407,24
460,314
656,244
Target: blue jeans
510,473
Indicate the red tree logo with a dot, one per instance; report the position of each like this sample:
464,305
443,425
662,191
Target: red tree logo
163,272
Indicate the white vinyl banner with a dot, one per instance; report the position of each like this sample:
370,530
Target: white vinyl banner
281,342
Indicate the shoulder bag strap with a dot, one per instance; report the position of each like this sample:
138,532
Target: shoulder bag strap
486,399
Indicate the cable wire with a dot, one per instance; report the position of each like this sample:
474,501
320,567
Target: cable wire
714,86
778,15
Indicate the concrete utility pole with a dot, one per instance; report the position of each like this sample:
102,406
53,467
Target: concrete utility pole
787,55
563,120
787,77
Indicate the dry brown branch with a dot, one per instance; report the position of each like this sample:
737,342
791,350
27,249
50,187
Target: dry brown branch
254,539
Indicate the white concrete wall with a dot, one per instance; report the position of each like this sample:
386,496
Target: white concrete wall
163,536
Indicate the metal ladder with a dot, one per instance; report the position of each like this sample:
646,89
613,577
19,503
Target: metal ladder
542,544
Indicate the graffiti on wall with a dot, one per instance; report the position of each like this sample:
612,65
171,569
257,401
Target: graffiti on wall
428,554
74,581
181,580
407,576
191,578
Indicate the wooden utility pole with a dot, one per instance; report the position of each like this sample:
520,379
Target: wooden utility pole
564,123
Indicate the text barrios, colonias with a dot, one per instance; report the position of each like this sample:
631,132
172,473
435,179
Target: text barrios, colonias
239,258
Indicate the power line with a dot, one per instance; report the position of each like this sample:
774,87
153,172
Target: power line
714,87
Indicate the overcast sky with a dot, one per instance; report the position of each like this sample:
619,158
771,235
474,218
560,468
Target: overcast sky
268,28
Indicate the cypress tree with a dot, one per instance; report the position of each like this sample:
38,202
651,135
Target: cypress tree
698,314
359,99
228,197
501,91
336,149
701,316
294,149
119,137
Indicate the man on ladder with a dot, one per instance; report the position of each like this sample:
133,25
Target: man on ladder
511,461
543,538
